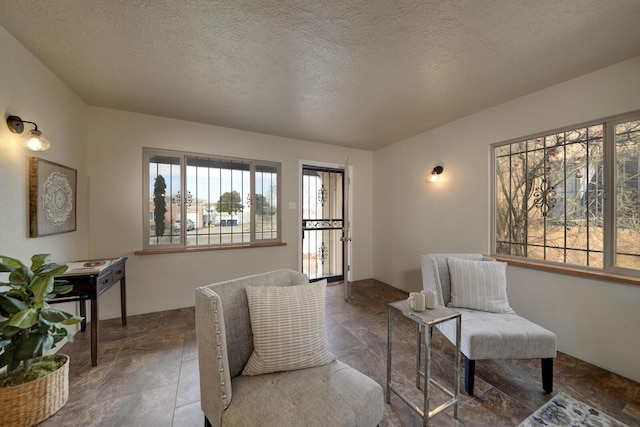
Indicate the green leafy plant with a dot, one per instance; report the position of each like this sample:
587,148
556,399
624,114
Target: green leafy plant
30,327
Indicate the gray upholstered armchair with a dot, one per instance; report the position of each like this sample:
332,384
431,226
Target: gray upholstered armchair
488,335
331,394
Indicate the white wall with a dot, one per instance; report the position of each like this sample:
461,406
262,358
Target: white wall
596,321
31,91
161,282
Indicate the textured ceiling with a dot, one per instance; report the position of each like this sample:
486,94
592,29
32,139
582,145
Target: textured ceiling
363,73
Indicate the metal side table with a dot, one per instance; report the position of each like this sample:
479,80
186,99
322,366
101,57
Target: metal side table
427,319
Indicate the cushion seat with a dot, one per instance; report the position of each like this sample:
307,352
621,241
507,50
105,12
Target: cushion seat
325,392
500,336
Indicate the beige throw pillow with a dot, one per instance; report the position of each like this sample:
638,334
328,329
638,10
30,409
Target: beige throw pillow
479,285
288,328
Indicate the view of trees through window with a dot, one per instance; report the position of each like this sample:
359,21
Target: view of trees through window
551,198
627,151
222,201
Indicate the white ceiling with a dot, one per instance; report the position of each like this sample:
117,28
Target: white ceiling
356,73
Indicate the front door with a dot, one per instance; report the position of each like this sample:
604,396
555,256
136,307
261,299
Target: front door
323,222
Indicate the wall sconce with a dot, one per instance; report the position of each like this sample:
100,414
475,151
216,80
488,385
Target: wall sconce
35,141
435,174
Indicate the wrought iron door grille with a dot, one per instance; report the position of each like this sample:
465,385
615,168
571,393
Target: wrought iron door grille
322,223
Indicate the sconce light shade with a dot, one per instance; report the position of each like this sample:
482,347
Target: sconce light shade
35,141
435,173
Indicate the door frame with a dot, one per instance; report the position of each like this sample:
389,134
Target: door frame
349,181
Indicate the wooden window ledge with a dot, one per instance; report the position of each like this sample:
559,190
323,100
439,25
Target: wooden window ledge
206,248
573,271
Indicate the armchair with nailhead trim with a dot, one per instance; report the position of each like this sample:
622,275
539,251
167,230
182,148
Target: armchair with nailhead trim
333,394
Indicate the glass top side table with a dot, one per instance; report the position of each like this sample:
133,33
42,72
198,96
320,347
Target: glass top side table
425,319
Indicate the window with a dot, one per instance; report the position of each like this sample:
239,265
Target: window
196,200
571,196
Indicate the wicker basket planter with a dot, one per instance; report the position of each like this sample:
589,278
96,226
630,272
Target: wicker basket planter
33,402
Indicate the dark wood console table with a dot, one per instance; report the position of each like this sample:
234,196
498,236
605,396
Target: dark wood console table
90,279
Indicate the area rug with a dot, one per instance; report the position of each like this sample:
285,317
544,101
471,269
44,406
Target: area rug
563,410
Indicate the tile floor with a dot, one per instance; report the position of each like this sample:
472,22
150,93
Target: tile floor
148,372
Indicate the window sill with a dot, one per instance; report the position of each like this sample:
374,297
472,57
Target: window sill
573,271
206,249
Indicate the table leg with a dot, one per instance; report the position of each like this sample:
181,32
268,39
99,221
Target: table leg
94,331
389,339
418,353
457,375
123,301
82,304
427,374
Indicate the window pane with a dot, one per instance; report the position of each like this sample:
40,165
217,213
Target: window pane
164,183
218,211
215,204
549,197
627,144
511,226
266,209
199,212
535,144
539,195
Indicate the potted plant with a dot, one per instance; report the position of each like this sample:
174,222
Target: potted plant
29,327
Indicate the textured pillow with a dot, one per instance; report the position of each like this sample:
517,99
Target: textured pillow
288,328
479,285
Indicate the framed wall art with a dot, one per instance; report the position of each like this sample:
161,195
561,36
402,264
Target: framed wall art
52,198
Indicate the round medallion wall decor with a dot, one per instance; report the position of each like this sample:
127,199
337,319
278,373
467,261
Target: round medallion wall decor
57,198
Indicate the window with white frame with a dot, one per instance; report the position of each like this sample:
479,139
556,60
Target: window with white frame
199,200
571,196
